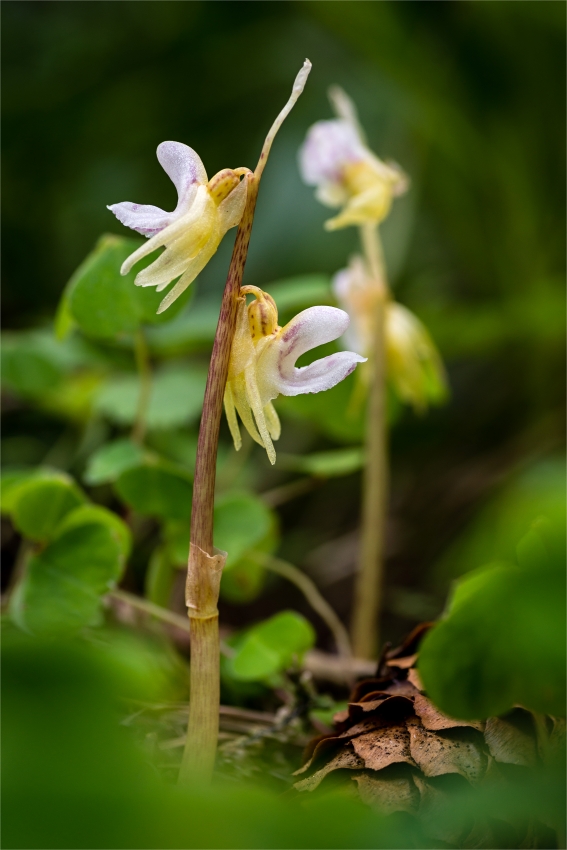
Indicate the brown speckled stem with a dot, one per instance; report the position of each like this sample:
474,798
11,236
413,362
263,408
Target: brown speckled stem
200,748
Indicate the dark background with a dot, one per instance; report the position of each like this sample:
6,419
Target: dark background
468,97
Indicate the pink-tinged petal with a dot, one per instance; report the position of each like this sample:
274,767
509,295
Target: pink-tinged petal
184,168
309,329
329,146
143,218
320,375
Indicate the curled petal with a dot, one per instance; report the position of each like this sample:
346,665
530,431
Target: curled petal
184,168
320,375
143,218
329,146
310,328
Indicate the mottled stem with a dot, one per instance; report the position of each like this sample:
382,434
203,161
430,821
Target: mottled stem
203,579
200,748
143,365
365,633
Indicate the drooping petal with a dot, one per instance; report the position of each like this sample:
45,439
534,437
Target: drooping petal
202,208
254,399
194,268
231,418
198,227
272,421
242,404
329,146
143,218
309,329
184,168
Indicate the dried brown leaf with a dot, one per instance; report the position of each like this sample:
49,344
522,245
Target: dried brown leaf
389,791
402,663
345,759
415,679
438,753
388,745
511,739
434,719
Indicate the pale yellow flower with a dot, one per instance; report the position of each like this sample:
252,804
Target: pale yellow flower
347,174
414,366
262,363
191,234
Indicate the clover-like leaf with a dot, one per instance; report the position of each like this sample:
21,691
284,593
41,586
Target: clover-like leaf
38,502
271,646
104,303
503,640
63,585
111,460
157,488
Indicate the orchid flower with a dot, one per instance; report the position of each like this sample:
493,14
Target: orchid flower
414,365
262,363
347,174
191,234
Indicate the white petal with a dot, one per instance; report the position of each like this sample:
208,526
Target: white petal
329,146
322,374
144,218
310,328
184,168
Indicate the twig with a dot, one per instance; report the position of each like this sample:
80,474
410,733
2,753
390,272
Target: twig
312,594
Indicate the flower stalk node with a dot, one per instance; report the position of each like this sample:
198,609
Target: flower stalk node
202,587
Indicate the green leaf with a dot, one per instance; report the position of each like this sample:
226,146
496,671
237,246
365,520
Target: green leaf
111,460
63,585
271,646
331,464
106,304
503,640
11,480
240,522
41,501
176,397
26,367
96,514
157,488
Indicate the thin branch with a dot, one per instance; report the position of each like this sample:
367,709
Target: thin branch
309,589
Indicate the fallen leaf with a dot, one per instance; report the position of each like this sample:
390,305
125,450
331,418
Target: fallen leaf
389,791
511,739
438,753
389,745
434,719
346,759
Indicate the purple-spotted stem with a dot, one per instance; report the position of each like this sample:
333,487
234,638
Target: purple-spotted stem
205,565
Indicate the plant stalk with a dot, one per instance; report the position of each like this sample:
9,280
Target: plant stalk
365,632
205,565
200,747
